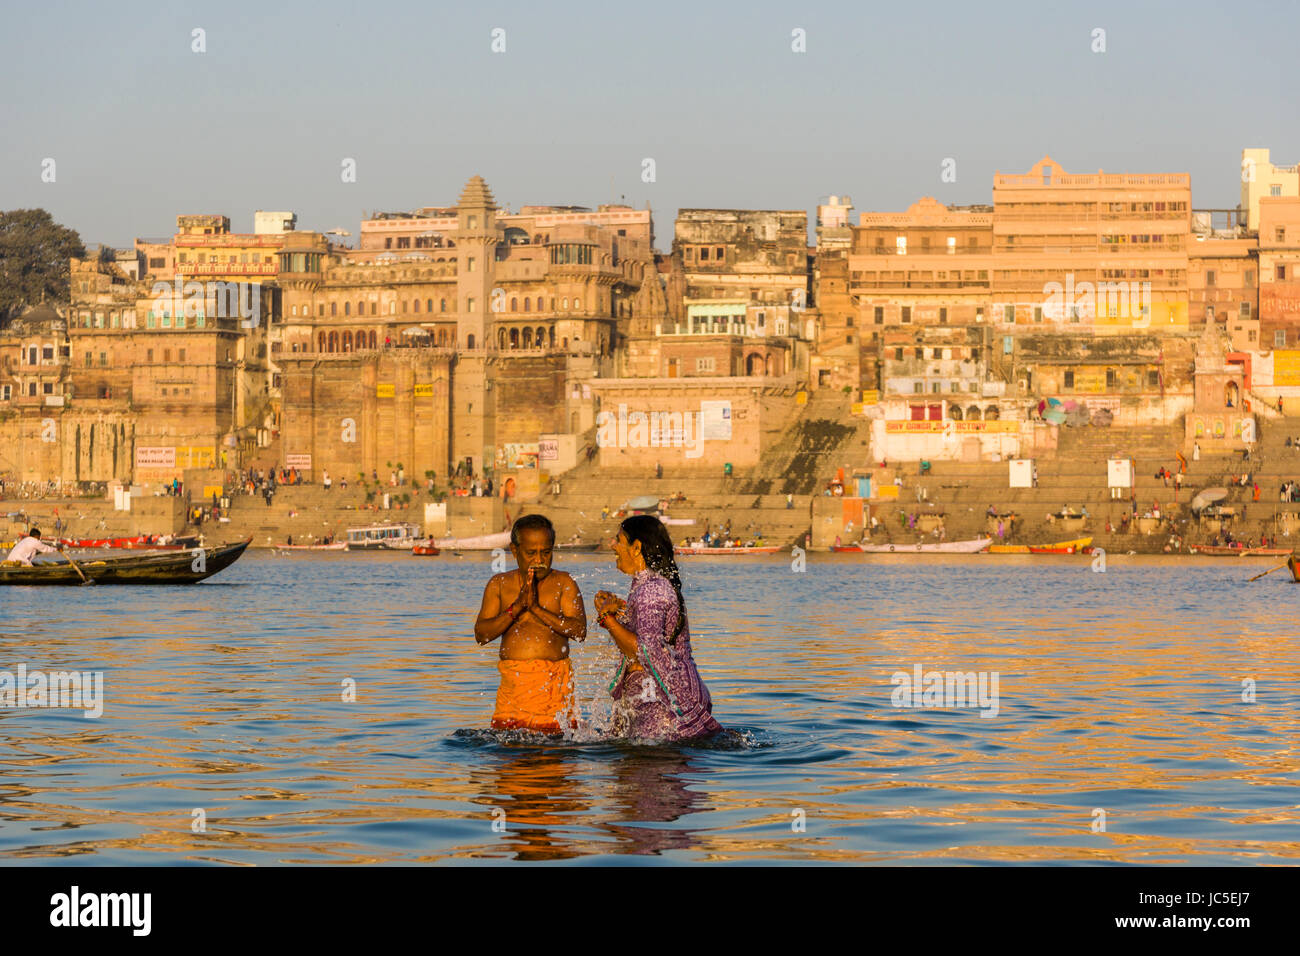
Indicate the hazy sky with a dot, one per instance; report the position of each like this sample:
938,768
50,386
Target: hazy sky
143,129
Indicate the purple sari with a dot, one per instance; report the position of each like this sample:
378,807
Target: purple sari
666,699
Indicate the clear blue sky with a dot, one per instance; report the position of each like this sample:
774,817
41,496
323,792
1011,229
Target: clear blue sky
143,129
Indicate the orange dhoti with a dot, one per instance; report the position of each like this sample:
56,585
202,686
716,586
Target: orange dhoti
535,695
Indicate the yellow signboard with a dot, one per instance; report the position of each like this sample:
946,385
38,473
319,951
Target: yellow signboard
424,390
870,396
1286,367
384,390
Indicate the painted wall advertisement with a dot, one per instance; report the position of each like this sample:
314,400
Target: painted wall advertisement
715,421
1022,473
1119,473
520,455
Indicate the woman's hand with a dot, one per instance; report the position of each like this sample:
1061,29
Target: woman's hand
607,601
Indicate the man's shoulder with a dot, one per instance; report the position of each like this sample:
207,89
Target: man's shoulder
563,578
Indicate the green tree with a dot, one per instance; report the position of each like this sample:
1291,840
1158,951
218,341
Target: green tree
34,253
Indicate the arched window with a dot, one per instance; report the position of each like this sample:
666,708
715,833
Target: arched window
514,338
514,304
334,308
347,340
991,414
321,313
347,308
372,338
334,342
374,308
470,341
392,307
501,338
415,306
528,304
528,338
973,414
541,337
361,308
321,340
565,303
954,412
428,305
442,305
540,307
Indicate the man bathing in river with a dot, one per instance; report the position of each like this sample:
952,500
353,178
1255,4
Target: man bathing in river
538,610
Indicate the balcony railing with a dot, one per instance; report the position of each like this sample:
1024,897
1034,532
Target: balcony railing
227,268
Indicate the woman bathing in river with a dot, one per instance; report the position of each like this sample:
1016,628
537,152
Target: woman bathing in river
657,691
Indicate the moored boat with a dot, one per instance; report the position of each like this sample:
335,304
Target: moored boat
972,546
1078,545
181,567
382,537
425,549
760,549
336,546
1223,551
482,542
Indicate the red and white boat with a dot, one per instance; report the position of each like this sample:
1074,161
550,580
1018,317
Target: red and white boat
425,548
143,542
336,546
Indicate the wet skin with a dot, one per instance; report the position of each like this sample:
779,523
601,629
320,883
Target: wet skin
537,609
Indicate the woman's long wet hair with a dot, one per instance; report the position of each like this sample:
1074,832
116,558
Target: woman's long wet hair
657,550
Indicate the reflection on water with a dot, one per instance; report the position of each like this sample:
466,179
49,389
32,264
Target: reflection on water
1120,694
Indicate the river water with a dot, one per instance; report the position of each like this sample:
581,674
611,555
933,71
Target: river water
1120,736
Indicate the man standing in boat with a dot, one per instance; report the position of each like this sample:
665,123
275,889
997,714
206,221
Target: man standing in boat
29,547
538,610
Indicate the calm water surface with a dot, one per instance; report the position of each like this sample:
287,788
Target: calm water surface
1119,692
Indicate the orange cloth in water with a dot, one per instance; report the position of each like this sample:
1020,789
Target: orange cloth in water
532,694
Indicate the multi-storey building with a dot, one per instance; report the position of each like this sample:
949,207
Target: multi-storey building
540,299
1279,271
1092,253
1260,179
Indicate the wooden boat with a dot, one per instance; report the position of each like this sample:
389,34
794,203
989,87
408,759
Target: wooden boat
336,546
1008,549
161,568
482,542
1076,546
425,548
382,537
1294,567
763,549
1222,551
142,542
973,546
